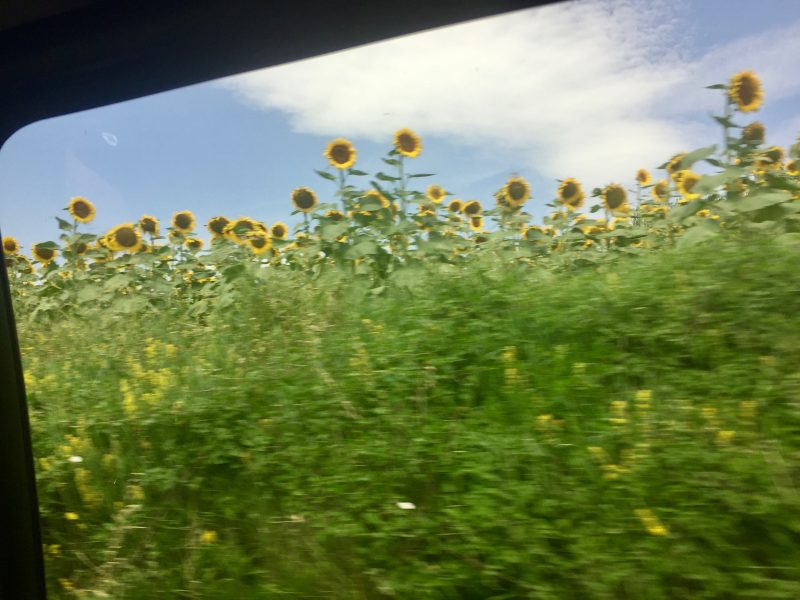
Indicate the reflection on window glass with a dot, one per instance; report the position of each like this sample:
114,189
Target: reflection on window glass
506,309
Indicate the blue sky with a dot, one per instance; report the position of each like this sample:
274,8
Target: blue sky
587,89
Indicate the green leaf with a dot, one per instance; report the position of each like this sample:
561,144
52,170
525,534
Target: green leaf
422,175
47,245
716,86
761,200
385,177
697,235
330,231
360,249
697,155
357,173
725,121
325,175
370,203
64,225
391,161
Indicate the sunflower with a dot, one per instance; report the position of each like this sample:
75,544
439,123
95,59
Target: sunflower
615,198
686,180
183,221
407,143
216,227
643,176
774,158
570,193
435,193
149,225
279,231
80,248
81,209
476,223
340,153
379,197
10,245
660,191
194,244
259,242
793,167
516,191
531,233
472,208
335,215
304,199
455,206
43,255
754,133
124,237
674,164
745,91
239,230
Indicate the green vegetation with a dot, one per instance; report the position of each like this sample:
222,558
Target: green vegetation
412,406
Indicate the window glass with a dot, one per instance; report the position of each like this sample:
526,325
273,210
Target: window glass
504,309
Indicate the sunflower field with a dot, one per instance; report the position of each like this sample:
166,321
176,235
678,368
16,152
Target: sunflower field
415,395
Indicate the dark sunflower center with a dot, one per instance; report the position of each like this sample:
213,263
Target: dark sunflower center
148,225
472,208
340,154
437,193
81,209
279,231
455,206
183,221
45,253
775,155
747,90
569,190
516,190
615,197
406,142
81,248
217,225
689,182
10,246
194,244
126,237
754,132
259,242
303,198
661,190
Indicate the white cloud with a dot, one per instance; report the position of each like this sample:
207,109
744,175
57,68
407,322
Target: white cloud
592,89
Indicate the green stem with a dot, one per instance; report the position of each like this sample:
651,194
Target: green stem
402,190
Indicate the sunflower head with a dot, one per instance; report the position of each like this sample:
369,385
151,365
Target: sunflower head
10,245
476,223
516,191
686,180
793,167
615,198
239,230
376,195
754,133
80,248
43,254
340,153
745,91
472,208
774,158
570,193
183,221
124,238
455,206
259,242
435,193
304,199
216,227
81,209
674,164
660,191
279,231
407,143
643,177
149,225
194,244
335,215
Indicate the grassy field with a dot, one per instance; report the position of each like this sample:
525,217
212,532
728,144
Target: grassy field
632,432
413,396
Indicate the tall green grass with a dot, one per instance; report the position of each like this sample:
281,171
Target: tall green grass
269,449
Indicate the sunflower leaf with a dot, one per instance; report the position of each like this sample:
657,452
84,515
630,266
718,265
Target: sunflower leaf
385,177
724,121
422,175
64,225
357,173
330,231
716,86
325,175
361,249
47,245
700,154
760,200
391,161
